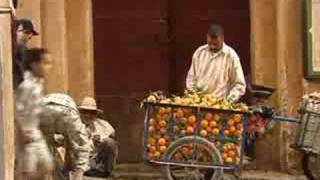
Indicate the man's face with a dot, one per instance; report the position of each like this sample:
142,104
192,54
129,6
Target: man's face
23,36
215,43
88,116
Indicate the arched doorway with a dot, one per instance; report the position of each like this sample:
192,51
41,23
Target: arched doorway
147,45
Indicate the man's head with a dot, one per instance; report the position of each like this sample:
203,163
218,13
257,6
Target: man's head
38,61
215,37
25,31
88,110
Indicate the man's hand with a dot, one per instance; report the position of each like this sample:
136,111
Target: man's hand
77,175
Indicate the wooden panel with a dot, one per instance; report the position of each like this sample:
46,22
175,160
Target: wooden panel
129,61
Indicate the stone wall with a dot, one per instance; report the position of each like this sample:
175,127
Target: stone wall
277,60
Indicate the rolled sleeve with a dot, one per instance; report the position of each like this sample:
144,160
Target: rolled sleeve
238,83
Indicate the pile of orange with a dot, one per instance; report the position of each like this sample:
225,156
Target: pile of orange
231,153
185,122
158,139
234,126
210,124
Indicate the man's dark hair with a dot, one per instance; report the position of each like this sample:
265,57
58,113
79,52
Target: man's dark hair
34,55
215,30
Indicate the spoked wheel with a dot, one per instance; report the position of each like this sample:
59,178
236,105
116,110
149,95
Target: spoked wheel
311,166
195,150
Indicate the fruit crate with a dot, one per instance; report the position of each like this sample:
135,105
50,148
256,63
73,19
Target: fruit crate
308,136
223,130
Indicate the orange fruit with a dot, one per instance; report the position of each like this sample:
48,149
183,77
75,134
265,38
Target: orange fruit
204,123
163,131
162,123
237,118
159,116
150,155
231,122
232,145
162,111
162,142
226,132
190,130
229,160
232,154
152,121
163,148
213,124
192,119
209,129
183,132
208,116
157,136
232,129
156,154
215,131
151,141
152,129
179,113
238,133
216,117
225,149
203,133
225,156
168,110
152,149
239,126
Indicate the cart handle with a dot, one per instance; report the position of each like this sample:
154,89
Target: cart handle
268,112
285,118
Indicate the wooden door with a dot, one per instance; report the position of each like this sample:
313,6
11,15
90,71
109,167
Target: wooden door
130,60
147,45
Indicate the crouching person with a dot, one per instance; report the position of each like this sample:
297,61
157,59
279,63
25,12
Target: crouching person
104,148
61,116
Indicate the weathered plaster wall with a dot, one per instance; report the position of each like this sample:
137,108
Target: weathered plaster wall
277,60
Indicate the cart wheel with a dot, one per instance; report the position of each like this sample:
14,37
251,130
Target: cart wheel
311,166
178,148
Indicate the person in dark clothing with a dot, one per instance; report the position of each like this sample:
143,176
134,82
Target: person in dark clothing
24,31
255,95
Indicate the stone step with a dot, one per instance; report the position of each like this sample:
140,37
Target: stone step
150,172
